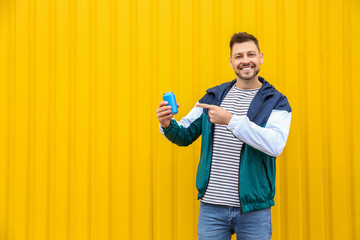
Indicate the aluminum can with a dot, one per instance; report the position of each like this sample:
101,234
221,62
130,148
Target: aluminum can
170,98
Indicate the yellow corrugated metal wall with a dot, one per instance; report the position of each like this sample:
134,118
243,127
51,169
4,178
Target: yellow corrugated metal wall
81,156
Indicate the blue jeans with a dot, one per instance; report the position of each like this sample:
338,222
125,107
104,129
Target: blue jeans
218,222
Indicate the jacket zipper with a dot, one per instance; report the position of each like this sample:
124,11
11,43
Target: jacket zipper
258,110
241,210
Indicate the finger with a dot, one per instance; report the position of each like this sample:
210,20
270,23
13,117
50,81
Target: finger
169,117
163,108
164,113
163,103
203,105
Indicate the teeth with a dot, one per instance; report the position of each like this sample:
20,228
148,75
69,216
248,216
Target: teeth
246,68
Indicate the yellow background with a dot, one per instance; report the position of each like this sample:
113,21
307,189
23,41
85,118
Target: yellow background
81,156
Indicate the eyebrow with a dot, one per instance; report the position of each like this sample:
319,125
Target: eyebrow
251,51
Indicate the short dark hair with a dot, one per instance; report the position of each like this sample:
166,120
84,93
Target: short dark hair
242,37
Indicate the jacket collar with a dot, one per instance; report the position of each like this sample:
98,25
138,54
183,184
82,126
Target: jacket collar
265,90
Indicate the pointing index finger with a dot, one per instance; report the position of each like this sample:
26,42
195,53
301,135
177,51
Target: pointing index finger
203,105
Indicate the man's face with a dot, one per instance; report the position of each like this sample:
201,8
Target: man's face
246,59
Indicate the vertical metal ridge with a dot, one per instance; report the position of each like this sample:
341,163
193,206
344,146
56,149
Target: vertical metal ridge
327,122
354,50
195,65
151,152
8,121
11,118
133,97
177,68
303,92
72,105
259,18
92,102
195,43
51,111
154,15
349,125
174,71
322,51
12,107
113,138
216,39
31,118
280,20
238,12
153,76
284,233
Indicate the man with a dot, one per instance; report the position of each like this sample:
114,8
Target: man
244,125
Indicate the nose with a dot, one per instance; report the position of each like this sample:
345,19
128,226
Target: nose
245,60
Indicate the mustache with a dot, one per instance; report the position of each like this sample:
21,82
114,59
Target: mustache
248,65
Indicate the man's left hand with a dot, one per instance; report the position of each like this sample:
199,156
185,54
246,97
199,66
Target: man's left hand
217,115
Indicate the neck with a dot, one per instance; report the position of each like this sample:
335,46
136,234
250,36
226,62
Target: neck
248,84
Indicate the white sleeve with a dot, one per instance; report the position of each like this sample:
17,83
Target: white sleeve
270,139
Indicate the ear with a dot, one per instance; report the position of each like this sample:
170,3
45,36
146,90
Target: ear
231,64
261,58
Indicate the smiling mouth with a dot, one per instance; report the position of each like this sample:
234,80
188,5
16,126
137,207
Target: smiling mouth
245,69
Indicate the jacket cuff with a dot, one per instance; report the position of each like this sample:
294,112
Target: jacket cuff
161,129
235,120
165,131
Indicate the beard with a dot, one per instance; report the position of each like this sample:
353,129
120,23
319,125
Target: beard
256,72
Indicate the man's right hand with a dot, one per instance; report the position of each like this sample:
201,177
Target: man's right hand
164,114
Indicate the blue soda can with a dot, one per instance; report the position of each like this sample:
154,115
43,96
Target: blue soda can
170,98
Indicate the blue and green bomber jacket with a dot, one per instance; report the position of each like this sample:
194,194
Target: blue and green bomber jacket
264,131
